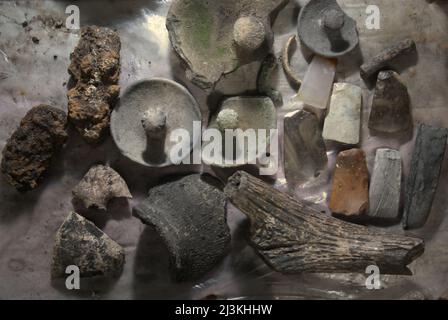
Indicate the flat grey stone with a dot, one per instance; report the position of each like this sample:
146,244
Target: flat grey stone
343,122
304,148
390,107
424,174
385,186
189,214
80,243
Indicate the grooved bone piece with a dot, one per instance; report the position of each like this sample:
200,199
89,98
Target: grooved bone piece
208,37
385,186
305,153
385,57
390,107
99,185
343,122
28,152
293,238
189,214
424,173
95,70
316,88
350,193
80,243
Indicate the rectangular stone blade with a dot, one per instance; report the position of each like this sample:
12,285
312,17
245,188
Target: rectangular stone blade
385,186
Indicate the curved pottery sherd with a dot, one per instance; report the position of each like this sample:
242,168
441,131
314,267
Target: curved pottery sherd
214,38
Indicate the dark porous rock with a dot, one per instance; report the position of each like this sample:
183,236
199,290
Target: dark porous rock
424,174
190,216
95,71
28,152
390,107
80,243
100,185
293,237
386,57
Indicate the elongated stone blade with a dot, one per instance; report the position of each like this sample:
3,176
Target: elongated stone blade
305,153
424,174
350,194
80,243
385,186
343,122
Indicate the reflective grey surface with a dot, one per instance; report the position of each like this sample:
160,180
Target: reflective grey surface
31,74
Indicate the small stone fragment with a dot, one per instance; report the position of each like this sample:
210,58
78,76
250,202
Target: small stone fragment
95,69
80,243
316,88
384,59
390,107
343,122
350,193
190,216
385,186
304,149
249,33
100,185
28,152
424,173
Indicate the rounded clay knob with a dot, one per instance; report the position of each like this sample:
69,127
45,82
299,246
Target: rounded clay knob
249,33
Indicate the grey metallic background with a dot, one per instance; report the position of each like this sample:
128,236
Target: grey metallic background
30,75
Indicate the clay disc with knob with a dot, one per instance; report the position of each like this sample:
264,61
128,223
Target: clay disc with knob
163,96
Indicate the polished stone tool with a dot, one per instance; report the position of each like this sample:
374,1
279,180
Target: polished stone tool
214,38
385,187
391,104
146,115
305,155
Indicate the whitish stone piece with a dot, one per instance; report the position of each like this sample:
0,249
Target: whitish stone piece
343,122
80,243
317,84
385,186
305,154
